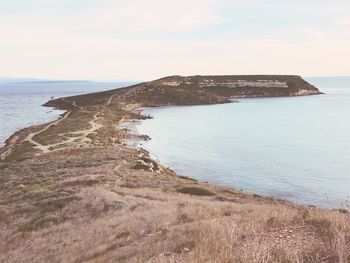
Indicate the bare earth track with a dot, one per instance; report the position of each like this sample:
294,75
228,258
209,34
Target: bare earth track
44,148
82,134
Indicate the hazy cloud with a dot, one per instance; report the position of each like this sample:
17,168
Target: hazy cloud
148,39
344,20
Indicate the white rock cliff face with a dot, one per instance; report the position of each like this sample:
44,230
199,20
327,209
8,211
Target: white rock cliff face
211,88
171,83
230,83
244,83
305,92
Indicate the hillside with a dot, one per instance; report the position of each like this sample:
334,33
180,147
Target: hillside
71,191
178,90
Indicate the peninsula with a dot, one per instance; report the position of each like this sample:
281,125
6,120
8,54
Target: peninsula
72,191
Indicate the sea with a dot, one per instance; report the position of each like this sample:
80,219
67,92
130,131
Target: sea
294,148
20,102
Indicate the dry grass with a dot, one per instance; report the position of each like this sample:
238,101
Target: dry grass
95,208
83,202
195,191
111,227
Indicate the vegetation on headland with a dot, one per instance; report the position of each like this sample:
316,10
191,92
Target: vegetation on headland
71,192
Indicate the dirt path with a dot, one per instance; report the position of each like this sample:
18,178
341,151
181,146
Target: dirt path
81,137
95,125
44,148
82,134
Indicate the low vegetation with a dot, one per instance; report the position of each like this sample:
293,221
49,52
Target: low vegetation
93,207
195,191
81,201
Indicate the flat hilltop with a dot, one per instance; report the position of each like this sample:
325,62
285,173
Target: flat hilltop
179,90
71,191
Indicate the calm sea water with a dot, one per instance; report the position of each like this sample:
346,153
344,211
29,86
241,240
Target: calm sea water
20,103
292,148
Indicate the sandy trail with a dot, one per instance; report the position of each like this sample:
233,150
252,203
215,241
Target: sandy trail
83,134
95,125
44,148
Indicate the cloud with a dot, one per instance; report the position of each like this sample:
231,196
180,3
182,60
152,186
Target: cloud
129,16
154,15
343,20
82,57
148,39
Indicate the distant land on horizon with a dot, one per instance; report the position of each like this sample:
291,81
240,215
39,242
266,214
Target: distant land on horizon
26,80
29,79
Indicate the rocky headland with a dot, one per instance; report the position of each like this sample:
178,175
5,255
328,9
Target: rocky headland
71,191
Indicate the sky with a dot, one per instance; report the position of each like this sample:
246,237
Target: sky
149,39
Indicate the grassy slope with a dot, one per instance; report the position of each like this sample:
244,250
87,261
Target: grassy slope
99,201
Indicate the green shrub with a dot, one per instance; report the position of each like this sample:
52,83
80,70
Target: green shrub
187,178
195,191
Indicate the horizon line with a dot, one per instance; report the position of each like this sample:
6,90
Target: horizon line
34,79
